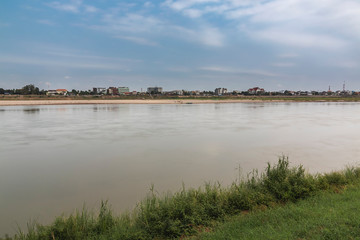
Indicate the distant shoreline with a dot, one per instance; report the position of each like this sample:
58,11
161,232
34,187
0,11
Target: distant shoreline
121,101
163,101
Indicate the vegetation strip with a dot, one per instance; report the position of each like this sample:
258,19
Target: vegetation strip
324,216
189,211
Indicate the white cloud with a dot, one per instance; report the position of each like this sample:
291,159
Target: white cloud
73,6
141,25
148,4
345,64
70,53
131,22
180,5
299,23
90,9
212,37
193,13
228,70
12,59
299,39
138,40
205,35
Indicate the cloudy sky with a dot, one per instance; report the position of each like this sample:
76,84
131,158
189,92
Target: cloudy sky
180,44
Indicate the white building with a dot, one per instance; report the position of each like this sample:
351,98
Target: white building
220,91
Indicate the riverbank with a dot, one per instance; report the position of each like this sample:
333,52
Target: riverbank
122,101
94,100
325,216
190,211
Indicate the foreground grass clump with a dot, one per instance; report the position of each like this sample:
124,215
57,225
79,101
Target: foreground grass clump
191,210
324,216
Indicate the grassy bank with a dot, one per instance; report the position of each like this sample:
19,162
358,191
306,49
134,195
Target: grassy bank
324,216
189,211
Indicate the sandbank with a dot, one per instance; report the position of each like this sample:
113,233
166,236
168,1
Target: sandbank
121,101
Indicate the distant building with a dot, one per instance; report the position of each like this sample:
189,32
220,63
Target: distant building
256,90
61,91
303,93
197,92
123,90
175,92
154,90
99,91
57,92
220,91
51,92
113,91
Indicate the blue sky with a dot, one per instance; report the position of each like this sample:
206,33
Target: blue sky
180,44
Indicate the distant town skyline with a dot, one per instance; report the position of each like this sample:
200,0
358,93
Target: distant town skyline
180,44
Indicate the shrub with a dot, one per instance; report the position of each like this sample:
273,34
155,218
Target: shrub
336,178
288,184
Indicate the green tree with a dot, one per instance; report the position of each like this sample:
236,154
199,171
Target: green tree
74,92
30,89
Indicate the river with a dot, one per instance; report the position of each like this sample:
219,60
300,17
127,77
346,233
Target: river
53,159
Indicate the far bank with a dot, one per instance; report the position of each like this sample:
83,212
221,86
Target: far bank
34,100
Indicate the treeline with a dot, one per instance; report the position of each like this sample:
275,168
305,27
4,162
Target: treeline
31,89
26,90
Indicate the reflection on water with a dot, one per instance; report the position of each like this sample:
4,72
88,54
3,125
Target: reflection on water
31,110
55,158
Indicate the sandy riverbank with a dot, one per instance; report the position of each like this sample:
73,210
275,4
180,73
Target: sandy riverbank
136,101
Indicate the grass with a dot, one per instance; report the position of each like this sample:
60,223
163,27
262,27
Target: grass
324,216
189,211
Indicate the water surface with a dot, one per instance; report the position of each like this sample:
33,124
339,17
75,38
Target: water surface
55,158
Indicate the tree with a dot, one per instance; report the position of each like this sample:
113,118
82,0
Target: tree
85,92
2,91
30,89
74,92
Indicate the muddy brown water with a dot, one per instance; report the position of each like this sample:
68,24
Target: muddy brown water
53,159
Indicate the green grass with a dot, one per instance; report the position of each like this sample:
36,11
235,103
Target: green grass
186,212
325,216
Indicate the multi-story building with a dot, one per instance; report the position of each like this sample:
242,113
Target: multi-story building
154,90
220,91
123,90
99,91
256,90
113,91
